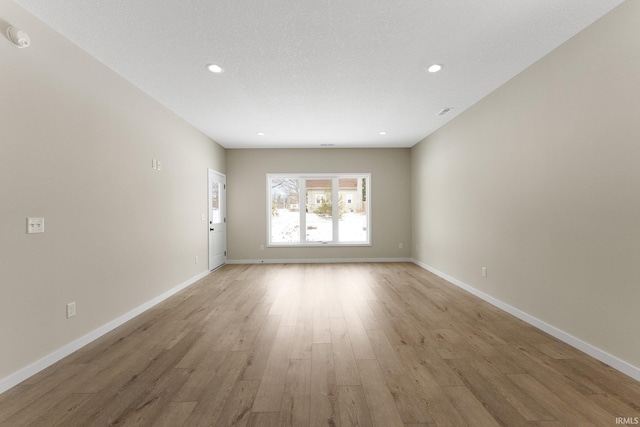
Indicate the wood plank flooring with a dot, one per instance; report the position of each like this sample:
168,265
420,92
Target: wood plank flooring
324,345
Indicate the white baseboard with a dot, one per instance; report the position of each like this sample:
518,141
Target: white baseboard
315,260
593,351
37,366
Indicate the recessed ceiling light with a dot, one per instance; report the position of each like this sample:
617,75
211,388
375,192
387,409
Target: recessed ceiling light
261,134
434,68
215,68
382,133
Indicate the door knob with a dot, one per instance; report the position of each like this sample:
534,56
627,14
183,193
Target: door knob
211,229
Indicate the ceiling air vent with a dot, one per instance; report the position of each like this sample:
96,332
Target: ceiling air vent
445,111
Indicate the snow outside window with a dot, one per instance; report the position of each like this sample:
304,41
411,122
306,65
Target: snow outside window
318,209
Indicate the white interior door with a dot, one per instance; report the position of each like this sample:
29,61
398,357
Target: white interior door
217,219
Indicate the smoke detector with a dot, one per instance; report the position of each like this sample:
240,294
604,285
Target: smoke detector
18,37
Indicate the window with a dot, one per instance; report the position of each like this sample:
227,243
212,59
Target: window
318,209
216,217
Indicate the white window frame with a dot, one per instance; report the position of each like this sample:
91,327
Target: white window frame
302,199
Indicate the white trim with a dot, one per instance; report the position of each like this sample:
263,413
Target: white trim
335,209
213,174
315,260
317,245
48,360
593,351
302,201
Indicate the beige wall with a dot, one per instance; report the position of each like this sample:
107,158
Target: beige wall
247,199
540,182
76,143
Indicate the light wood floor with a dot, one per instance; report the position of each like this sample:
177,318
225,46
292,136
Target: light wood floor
324,345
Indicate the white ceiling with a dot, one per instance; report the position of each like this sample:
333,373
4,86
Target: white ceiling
311,72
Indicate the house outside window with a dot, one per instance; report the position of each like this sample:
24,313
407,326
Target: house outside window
336,209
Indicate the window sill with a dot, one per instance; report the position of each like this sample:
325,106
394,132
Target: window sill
316,245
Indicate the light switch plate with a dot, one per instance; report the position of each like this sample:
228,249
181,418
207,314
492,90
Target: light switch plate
35,225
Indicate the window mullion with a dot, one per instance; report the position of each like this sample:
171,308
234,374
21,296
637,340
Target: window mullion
335,208
302,184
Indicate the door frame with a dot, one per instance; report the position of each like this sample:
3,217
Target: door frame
223,197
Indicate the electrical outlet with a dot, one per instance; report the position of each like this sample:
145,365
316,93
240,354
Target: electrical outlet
71,309
400,245
484,271
262,247
196,259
